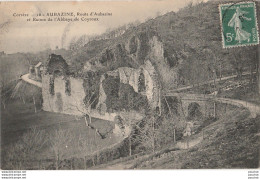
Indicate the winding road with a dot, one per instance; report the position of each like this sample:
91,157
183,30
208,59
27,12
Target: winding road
33,82
207,82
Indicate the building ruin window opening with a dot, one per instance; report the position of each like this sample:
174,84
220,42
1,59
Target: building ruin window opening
141,83
57,73
51,86
67,87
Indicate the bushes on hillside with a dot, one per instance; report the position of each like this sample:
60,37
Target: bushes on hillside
111,88
20,155
130,100
155,132
91,88
122,96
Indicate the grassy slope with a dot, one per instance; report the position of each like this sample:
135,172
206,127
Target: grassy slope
18,118
230,142
246,91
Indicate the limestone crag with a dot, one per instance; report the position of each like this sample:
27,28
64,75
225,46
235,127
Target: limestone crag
132,53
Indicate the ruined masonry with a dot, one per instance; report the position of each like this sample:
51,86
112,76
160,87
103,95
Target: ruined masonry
63,93
130,76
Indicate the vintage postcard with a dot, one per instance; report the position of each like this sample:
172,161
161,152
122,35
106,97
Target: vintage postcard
130,85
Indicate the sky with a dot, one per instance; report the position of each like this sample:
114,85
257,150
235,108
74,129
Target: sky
19,35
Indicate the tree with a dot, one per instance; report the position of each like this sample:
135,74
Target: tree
59,141
86,110
86,145
145,132
238,63
34,140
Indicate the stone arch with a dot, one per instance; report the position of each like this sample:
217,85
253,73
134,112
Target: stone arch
194,110
57,72
57,65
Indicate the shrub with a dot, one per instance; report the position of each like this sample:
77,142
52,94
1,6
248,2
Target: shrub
130,100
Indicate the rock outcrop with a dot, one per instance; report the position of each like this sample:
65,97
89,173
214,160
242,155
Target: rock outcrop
133,53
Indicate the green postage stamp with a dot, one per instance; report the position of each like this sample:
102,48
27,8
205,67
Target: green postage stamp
239,24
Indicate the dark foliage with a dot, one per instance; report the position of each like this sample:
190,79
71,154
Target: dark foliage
194,110
111,88
91,87
173,103
130,100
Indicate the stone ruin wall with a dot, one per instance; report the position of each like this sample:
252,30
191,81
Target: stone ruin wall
130,76
61,102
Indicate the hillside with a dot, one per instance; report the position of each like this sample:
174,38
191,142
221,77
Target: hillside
192,47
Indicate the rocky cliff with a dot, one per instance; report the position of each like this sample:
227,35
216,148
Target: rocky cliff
133,53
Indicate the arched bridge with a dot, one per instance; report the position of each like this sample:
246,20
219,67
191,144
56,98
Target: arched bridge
204,103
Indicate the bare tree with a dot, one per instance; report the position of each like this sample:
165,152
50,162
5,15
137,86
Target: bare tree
34,140
149,133
87,146
60,140
86,112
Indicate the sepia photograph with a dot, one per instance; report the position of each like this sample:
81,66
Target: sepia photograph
130,85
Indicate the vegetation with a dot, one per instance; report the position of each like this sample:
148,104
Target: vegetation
91,86
223,143
122,96
229,144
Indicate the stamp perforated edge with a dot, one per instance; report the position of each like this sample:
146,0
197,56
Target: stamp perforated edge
221,27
